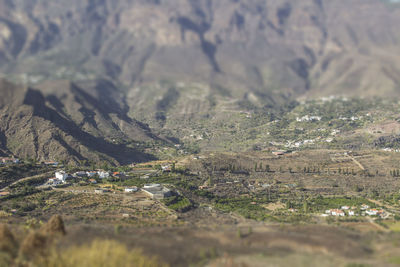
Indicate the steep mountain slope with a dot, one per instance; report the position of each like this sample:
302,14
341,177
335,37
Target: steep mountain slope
61,121
97,64
262,47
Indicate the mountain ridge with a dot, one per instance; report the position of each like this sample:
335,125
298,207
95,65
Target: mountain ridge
33,126
253,46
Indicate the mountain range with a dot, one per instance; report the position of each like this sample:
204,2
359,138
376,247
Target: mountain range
94,71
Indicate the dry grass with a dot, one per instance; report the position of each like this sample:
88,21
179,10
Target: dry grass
54,227
100,253
40,248
33,246
7,241
393,226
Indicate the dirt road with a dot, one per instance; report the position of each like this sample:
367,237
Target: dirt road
356,162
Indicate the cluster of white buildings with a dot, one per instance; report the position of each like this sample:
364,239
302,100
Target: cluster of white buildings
61,177
301,143
342,212
308,118
155,191
352,118
387,149
312,118
347,211
90,174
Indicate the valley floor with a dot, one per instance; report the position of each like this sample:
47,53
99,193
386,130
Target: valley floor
311,207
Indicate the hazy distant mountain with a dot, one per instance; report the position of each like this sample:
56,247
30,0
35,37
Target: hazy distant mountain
259,46
177,58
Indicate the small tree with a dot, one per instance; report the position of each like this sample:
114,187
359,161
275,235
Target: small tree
267,168
158,167
305,206
239,233
173,167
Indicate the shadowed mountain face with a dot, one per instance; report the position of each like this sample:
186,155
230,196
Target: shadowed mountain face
163,60
67,124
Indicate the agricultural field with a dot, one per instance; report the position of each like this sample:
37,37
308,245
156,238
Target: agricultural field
331,123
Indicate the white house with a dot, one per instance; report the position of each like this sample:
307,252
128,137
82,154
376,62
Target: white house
338,213
351,213
54,181
364,207
345,207
100,191
131,189
166,168
91,173
372,212
103,174
61,175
